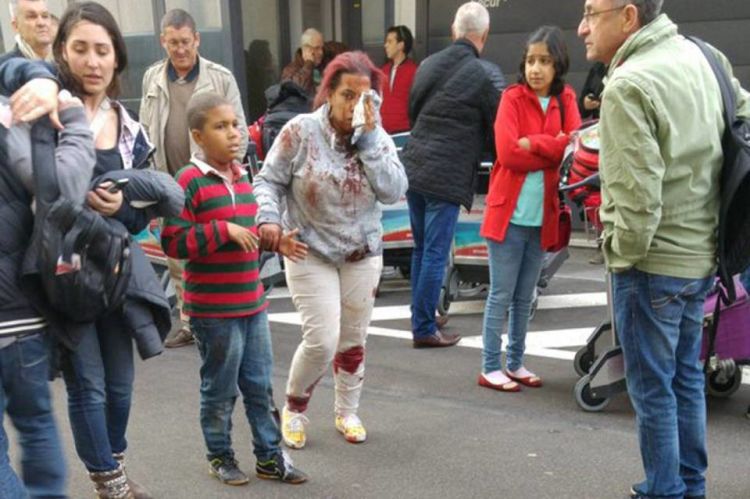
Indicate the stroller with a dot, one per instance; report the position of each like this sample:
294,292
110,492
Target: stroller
600,361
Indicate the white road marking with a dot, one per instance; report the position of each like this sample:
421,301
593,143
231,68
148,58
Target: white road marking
552,344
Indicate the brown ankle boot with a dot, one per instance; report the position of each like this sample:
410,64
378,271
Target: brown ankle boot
139,492
111,484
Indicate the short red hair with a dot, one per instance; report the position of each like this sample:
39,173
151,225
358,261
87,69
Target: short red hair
355,62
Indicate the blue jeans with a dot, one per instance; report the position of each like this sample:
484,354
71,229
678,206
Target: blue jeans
514,271
433,223
236,354
659,320
24,393
99,380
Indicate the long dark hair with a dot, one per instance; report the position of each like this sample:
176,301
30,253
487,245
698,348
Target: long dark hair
95,14
553,38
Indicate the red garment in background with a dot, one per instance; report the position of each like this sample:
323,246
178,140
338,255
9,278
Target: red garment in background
395,108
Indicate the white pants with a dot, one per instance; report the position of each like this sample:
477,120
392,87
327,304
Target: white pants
336,305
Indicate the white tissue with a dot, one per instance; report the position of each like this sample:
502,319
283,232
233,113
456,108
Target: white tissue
358,120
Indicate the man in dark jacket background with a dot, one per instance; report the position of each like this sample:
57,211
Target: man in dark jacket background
451,109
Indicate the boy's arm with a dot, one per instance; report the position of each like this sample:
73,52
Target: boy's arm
185,238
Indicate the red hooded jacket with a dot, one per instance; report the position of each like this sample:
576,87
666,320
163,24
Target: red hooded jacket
520,115
395,108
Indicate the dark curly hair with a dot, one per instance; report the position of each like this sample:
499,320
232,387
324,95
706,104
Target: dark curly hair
552,36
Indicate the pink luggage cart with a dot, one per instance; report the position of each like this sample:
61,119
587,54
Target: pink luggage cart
600,365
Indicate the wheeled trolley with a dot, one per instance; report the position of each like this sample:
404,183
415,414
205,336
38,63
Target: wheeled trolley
600,364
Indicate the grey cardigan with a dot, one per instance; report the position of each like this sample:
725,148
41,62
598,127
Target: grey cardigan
331,189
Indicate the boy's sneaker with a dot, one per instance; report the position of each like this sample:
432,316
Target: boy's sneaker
226,470
352,428
280,468
293,428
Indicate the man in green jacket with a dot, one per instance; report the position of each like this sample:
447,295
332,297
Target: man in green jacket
661,128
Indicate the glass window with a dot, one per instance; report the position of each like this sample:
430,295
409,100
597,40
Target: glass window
260,21
133,16
207,13
373,22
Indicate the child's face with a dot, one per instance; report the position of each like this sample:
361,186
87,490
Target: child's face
540,68
220,136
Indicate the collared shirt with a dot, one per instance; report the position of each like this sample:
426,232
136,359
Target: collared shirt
129,129
236,172
221,279
192,74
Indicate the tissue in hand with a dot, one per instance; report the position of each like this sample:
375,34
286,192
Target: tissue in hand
358,119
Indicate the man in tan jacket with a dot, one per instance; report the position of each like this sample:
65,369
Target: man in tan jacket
168,86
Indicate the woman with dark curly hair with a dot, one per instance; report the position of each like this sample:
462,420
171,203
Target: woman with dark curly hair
521,218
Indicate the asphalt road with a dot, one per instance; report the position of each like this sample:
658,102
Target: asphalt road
433,433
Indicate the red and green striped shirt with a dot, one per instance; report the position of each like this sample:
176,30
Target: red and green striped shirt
220,279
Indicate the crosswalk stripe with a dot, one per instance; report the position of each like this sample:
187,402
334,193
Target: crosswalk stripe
554,344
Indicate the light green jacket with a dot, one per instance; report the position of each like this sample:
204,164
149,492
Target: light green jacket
661,127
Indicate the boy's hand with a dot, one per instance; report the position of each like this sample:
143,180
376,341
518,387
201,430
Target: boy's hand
243,237
270,235
291,248
524,143
105,202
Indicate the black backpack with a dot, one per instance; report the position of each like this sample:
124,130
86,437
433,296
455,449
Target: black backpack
286,101
734,215
77,267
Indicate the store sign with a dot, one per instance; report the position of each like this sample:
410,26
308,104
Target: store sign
491,4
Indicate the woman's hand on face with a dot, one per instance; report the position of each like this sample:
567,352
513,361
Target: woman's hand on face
370,119
291,248
524,143
105,202
270,236
35,99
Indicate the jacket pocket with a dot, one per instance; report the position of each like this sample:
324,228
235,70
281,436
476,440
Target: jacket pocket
495,201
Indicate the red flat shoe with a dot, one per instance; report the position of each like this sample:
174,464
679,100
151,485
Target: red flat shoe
510,386
533,381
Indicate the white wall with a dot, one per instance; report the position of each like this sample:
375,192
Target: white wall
405,12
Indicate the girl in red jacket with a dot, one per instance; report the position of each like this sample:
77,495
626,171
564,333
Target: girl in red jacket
531,133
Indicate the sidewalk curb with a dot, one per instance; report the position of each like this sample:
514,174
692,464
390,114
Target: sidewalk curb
582,242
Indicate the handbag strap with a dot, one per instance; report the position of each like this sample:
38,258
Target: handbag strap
562,112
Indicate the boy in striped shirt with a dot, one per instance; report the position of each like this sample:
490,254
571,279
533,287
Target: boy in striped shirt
217,236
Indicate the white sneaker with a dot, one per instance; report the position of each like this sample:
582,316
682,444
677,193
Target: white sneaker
293,428
352,428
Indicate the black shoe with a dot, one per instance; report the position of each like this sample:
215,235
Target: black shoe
280,468
226,470
437,340
636,495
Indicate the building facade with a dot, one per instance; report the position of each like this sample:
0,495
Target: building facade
256,38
